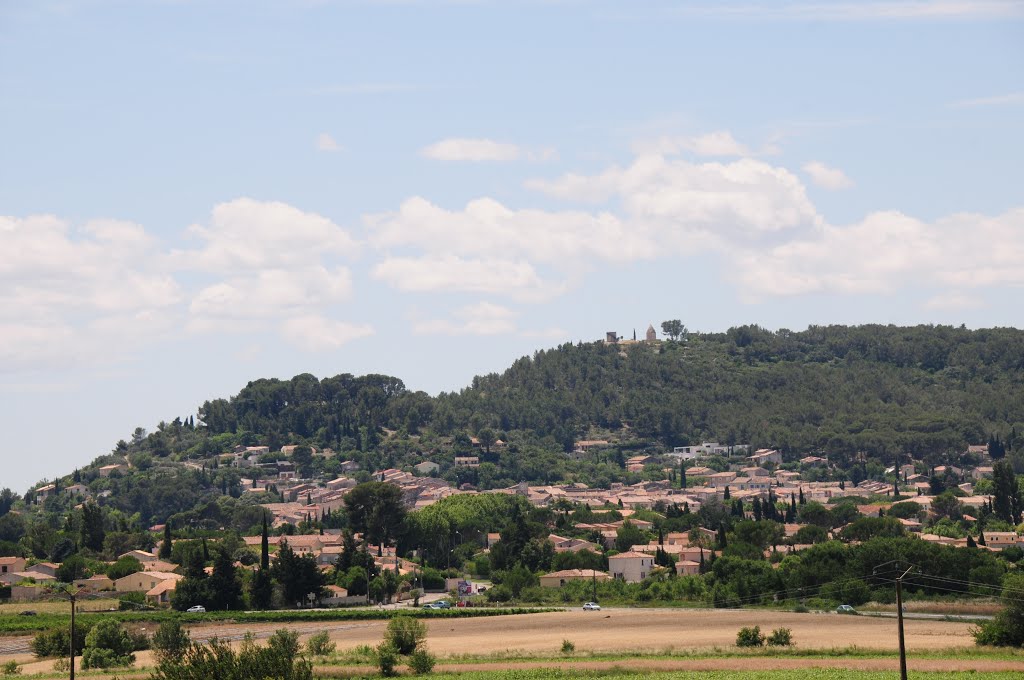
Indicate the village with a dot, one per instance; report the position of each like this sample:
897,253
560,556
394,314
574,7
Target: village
752,479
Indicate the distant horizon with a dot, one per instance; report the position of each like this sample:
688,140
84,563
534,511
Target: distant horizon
194,194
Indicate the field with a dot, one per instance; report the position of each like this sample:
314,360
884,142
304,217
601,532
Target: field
664,641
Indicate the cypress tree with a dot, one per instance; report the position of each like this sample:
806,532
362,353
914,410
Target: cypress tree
803,501
726,496
264,548
981,536
970,542
165,547
682,475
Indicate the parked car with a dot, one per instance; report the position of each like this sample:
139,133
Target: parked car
845,609
591,607
440,604
196,609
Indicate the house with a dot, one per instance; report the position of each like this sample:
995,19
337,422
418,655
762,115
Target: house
143,581
348,466
687,568
44,492
467,461
95,583
13,577
159,565
557,579
77,490
765,456
813,461
631,567
160,594
11,564
47,568
999,540
427,467
140,555
108,470
329,555
586,445
754,472
341,483
982,472
720,479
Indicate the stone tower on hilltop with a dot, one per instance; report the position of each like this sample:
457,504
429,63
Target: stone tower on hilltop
651,335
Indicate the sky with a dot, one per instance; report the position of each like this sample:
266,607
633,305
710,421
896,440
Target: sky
194,195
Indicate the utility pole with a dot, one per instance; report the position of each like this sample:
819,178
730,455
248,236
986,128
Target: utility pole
899,612
899,619
72,595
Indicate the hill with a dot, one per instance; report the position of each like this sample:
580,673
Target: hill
882,391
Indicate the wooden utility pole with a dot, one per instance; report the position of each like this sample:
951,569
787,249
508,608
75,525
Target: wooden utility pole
899,619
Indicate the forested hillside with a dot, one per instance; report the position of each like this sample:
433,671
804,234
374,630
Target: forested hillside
884,390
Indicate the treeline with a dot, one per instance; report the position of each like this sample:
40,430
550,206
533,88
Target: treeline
926,390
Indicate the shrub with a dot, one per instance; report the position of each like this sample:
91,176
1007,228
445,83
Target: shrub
750,637
421,662
800,609
11,668
499,594
170,641
387,659
781,637
568,648
130,602
108,645
54,642
404,633
320,645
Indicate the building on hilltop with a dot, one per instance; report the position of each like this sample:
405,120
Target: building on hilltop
652,335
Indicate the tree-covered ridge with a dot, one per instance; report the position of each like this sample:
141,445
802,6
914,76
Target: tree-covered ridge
884,390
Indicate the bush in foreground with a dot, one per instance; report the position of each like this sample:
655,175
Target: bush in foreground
421,662
387,659
405,633
320,645
781,637
1007,628
750,637
108,645
279,660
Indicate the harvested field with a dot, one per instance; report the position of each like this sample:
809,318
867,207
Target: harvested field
653,630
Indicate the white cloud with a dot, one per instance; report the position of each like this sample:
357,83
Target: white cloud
676,200
464,149
486,228
324,142
315,333
59,284
483,318
249,235
825,177
271,292
888,251
996,100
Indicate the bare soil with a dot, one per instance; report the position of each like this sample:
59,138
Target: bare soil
635,630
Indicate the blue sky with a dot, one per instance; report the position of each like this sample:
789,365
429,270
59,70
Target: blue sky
196,194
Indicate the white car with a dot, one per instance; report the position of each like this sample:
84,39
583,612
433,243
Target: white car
196,609
591,607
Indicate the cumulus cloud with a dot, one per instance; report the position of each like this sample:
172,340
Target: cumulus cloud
250,235
270,292
467,149
315,333
954,301
324,142
483,318
70,292
825,177
887,251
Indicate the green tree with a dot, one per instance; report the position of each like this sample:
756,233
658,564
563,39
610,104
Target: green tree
1007,629
165,547
224,587
628,535
299,576
1006,504
377,510
92,529
107,645
673,328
